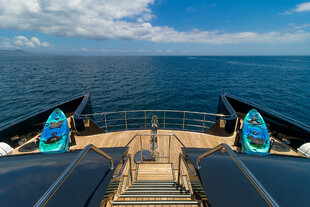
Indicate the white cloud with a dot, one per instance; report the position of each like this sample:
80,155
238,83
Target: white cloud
303,7
22,42
35,41
111,19
301,26
215,37
46,44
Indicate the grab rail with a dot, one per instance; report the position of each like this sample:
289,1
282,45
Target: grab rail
123,167
67,172
181,157
258,186
186,165
120,187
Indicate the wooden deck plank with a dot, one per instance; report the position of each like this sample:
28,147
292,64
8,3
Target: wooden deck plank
189,139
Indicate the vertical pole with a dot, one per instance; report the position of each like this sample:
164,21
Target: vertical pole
145,119
169,148
179,167
203,125
141,149
130,166
183,119
126,120
164,119
173,171
106,125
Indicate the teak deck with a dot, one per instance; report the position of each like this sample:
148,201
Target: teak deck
189,139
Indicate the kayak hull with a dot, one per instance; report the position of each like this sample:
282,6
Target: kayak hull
254,136
55,134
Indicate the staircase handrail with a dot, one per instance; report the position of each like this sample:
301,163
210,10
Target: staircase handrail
180,176
181,157
67,172
123,167
258,186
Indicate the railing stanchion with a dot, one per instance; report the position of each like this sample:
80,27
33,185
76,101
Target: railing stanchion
106,125
184,119
179,171
145,119
169,148
130,165
164,119
141,149
203,125
125,120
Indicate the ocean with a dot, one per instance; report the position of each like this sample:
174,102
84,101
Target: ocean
30,83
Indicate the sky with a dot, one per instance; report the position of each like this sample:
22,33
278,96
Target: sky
156,27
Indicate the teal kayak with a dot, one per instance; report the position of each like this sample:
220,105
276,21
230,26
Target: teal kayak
254,136
55,134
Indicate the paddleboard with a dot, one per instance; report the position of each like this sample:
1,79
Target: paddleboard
254,136
55,134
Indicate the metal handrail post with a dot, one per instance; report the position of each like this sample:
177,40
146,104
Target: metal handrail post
183,119
141,149
179,167
189,187
169,145
121,185
126,120
164,119
203,125
106,125
145,119
130,166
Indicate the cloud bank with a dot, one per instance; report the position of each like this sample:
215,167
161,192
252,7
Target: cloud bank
122,19
303,7
23,42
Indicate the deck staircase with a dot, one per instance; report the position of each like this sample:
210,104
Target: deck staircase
155,185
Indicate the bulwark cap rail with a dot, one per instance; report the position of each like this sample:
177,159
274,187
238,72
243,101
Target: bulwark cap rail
258,186
67,172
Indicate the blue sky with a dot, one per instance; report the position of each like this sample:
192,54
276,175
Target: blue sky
156,27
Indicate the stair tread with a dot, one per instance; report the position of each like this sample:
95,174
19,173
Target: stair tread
155,188
155,195
154,202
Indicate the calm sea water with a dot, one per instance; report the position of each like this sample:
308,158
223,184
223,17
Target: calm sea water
30,82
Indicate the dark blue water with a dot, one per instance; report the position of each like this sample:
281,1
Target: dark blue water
29,83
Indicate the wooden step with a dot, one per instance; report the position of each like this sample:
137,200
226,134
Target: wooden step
157,202
155,195
156,191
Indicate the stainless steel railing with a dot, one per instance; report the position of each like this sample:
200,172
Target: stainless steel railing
258,186
67,172
180,174
139,119
129,174
157,135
